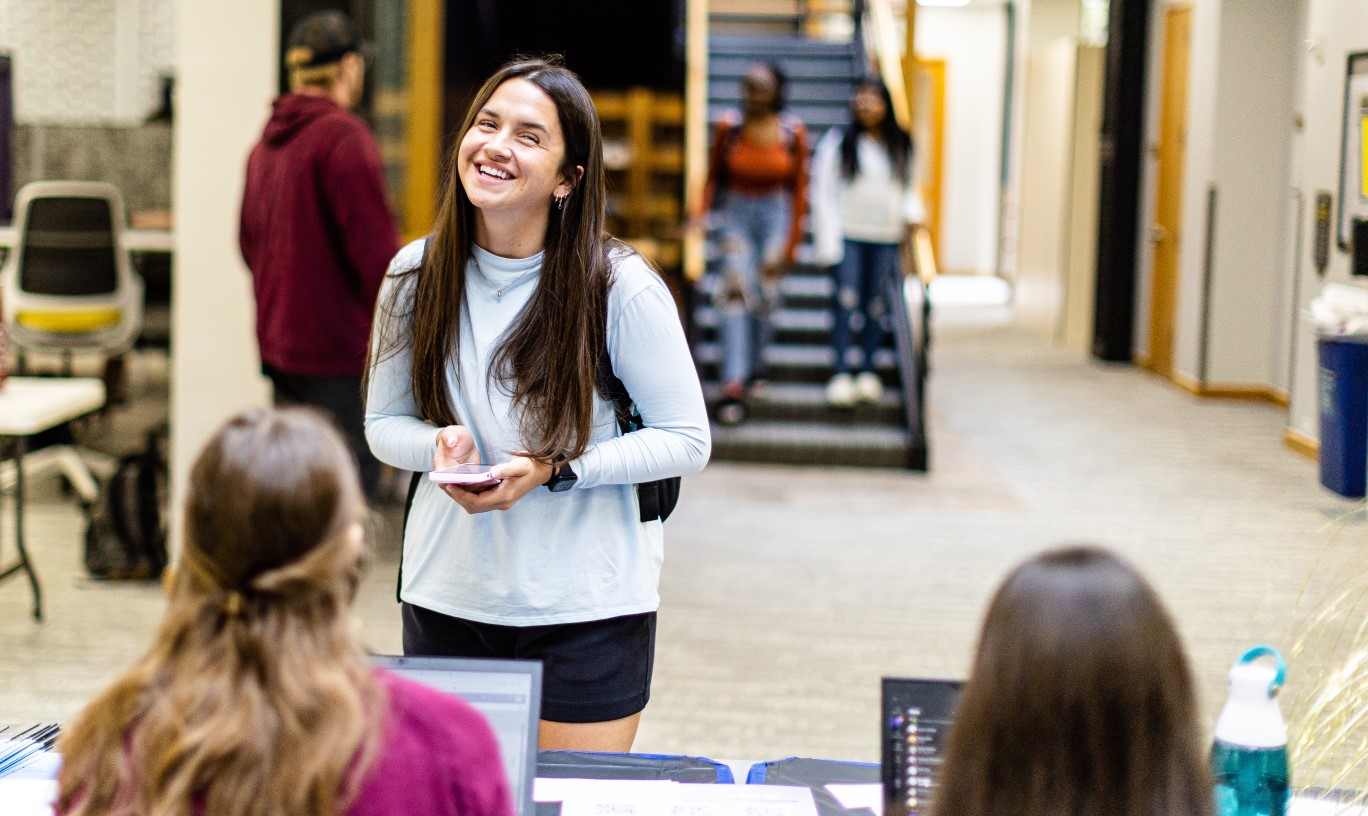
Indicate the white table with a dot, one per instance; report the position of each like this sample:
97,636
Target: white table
29,406
134,240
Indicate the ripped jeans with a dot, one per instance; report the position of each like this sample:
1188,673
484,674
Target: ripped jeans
861,280
754,231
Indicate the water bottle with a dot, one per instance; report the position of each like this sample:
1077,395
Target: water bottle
1249,755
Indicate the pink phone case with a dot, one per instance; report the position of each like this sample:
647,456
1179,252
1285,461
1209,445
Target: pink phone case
464,475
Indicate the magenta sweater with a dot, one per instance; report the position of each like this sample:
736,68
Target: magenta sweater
438,757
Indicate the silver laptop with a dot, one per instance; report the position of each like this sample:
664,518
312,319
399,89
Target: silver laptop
506,692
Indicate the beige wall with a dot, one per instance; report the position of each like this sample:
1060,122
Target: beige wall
1041,25
1048,115
226,77
973,43
1241,92
1335,28
1080,268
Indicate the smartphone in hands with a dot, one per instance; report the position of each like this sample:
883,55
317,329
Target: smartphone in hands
470,474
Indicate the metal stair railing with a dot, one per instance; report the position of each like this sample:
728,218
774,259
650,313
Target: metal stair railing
910,312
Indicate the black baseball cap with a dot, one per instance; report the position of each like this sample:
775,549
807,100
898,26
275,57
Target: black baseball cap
329,36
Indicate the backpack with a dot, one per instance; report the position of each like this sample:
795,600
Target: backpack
658,498
125,537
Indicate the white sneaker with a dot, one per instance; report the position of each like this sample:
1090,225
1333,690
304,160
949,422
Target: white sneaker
840,391
868,387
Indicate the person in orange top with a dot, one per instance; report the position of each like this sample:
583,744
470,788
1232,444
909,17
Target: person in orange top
757,183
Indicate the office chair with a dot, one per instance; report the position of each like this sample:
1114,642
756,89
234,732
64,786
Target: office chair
69,287
69,284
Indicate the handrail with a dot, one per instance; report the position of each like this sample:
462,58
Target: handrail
889,55
923,256
910,311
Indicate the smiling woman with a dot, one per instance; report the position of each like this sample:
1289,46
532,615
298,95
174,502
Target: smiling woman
511,163
489,346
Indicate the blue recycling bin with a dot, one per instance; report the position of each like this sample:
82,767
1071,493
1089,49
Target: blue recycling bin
1343,400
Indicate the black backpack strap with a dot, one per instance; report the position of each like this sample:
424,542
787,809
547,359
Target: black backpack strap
403,531
629,420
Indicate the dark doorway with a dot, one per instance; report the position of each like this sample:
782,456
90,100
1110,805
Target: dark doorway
611,44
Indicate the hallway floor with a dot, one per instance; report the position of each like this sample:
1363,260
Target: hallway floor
788,593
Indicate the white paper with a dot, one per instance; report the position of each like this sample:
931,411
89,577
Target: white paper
609,797
27,797
744,800
852,796
42,765
1307,806
548,789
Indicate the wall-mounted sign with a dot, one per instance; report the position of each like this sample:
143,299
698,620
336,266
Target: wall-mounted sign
1353,187
1320,249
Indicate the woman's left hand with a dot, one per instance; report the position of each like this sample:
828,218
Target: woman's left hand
519,476
774,270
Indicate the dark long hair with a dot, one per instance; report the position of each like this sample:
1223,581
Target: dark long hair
1080,701
547,359
255,697
895,140
780,86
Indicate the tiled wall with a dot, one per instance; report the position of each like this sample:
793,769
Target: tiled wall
87,62
137,160
87,75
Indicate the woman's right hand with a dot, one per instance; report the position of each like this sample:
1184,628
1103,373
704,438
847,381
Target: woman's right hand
455,446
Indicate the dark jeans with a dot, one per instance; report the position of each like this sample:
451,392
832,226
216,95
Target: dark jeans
861,282
340,398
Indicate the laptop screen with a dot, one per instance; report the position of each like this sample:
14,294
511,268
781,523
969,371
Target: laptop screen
506,692
913,730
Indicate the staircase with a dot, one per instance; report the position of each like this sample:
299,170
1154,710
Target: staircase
790,421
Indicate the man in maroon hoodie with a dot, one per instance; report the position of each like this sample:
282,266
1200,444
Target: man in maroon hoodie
316,230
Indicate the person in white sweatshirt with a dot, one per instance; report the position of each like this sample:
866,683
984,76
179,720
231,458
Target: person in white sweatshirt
863,204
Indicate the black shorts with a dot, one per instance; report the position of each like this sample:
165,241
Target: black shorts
594,671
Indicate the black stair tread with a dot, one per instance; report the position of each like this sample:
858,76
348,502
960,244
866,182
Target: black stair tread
817,118
803,254
811,79
794,355
809,283
810,435
784,320
799,394
770,44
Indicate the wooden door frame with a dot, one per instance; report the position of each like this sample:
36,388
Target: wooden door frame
422,177
1171,152
933,175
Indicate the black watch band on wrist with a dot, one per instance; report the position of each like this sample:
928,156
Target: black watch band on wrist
562,478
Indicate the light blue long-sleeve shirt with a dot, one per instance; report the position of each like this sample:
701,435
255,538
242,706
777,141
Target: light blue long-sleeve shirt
578,555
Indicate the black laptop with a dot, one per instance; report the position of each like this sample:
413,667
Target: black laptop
916,717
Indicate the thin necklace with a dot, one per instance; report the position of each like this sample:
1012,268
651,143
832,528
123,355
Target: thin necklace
498,293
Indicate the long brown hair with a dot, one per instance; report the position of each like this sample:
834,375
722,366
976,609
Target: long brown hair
1080,701
547,359
255,698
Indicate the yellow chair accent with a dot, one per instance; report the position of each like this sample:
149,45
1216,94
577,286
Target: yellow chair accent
69,322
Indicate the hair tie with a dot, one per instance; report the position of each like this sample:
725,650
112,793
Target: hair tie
232,606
